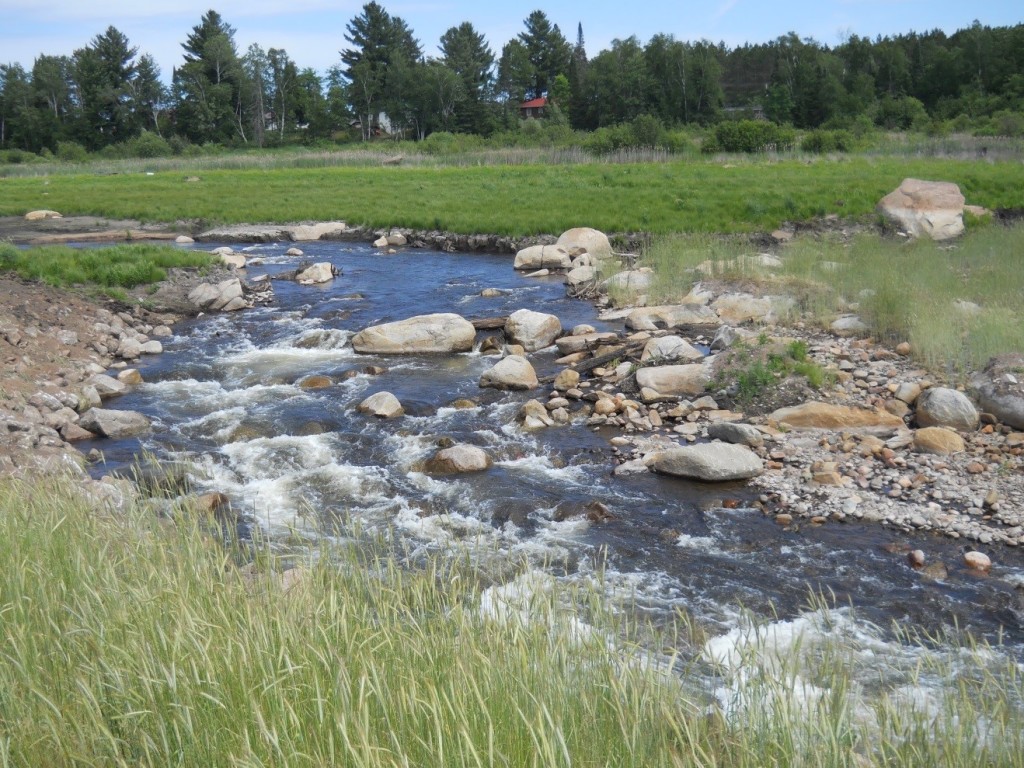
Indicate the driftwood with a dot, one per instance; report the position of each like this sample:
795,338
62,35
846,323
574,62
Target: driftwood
489,323
632,349
628,259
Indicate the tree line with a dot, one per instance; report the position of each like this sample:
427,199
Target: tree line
107,94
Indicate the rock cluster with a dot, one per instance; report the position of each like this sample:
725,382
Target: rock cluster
55,389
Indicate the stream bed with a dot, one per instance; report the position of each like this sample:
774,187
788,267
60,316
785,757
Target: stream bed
223,396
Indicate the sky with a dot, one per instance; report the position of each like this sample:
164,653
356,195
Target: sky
312,31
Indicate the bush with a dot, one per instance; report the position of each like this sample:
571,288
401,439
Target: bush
71,152
147,145
677,142
750,136
17,156
647,131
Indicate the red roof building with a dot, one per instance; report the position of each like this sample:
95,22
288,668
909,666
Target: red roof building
533,108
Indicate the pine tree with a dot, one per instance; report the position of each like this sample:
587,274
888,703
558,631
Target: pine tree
382,48
466,53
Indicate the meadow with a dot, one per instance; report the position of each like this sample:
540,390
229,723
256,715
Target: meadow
734,194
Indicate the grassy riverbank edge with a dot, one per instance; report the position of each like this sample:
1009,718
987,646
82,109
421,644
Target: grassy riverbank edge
129,640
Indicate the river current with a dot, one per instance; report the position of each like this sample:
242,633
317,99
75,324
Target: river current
223,396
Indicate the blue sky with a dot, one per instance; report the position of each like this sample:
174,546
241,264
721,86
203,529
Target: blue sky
312,31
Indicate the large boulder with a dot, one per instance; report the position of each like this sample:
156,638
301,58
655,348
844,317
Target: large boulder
739,434
512,372
442,332
325,230
458,458
738,308
114,424
1000,389
815,415
232,259
384,405
41,215
710,462
675,380
581,278
632,281
670,349
925,209
586,240
107,386
944,407
543,257
225,296
532,330
321,272
678,316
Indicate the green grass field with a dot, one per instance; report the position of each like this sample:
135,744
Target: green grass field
740,195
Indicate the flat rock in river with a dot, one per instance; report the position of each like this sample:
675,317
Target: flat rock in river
114,424
710,462
441,332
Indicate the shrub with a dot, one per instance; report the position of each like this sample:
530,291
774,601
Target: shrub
16,156
147,145
71,152
677,142
750,136
647,131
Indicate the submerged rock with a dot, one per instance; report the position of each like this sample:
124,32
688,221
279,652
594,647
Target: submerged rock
384,405
458,458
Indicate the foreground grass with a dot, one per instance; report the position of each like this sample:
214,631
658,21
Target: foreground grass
957,303
737,195
125,642
114,267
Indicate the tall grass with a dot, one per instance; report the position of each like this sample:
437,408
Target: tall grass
957,303
125,642
119,266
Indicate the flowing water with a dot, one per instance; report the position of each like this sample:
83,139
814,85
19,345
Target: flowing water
223,396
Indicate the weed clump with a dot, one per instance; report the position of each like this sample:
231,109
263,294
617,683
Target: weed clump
763,375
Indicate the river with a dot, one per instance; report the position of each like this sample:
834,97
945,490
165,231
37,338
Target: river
223,396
